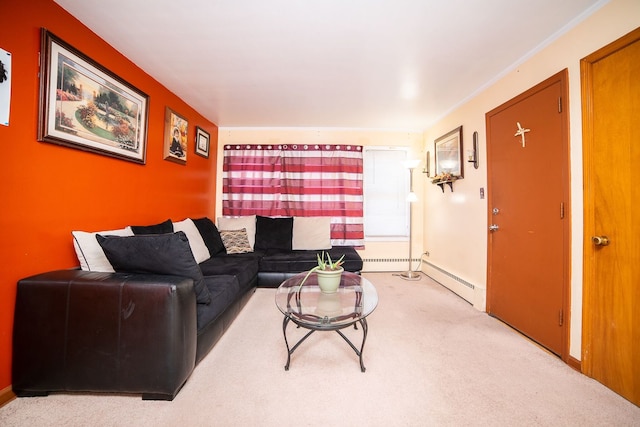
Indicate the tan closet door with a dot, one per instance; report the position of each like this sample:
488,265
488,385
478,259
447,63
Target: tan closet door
611,309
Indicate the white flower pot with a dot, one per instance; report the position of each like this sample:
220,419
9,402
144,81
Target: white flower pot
329,280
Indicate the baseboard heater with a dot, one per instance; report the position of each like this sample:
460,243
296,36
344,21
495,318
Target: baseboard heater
451,275
415,260
390,260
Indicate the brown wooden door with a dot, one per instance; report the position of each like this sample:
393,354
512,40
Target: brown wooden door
528,202
611,304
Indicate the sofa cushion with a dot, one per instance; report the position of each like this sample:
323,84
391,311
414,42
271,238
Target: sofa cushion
242,266
210,235
298,261
224,290
311,233
90,253
273,233
247,222
161,228
196,242
236,241
156,254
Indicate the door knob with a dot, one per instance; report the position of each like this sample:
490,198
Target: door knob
493,227
600,240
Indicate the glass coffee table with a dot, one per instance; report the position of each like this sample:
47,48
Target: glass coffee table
310,308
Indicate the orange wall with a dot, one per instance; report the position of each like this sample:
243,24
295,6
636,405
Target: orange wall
46,190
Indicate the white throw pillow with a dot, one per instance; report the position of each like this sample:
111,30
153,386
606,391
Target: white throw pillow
90,253
247,222
198,247
311,233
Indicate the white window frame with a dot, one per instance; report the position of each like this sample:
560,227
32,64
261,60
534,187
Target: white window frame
397,208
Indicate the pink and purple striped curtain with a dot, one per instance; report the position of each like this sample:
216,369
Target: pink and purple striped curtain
297,180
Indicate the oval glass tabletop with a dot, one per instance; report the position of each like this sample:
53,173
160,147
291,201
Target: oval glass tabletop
354,300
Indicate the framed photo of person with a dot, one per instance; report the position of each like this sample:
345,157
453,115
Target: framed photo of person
175,137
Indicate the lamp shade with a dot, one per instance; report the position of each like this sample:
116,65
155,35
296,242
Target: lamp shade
411,164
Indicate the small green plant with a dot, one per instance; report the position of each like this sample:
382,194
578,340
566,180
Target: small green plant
328,264
323,264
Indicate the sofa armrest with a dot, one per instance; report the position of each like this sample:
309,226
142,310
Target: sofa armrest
103,332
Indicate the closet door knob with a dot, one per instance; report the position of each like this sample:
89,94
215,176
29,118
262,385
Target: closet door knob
600,240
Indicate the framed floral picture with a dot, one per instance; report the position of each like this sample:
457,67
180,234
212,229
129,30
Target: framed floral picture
175,137
85,106
202,142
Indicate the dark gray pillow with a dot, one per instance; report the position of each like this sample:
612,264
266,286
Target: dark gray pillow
273,233
155,254
162,228
210,235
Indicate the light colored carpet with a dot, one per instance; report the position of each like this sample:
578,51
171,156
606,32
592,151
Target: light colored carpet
432,360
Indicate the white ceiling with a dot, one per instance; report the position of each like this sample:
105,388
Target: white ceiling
376,64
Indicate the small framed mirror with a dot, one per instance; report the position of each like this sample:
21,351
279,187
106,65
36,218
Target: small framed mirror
448,154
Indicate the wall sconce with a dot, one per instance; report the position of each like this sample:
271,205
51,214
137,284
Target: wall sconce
472,155
427,165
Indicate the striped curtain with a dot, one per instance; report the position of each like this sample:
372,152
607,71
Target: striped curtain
297,180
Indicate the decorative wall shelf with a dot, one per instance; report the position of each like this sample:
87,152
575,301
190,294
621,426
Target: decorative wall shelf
442,183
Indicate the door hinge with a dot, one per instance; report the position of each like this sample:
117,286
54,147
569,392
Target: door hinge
560,104
561,210
560,318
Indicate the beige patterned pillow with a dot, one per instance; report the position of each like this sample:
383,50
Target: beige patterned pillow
236,241
237,223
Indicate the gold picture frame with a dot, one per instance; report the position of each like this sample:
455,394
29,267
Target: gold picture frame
176,141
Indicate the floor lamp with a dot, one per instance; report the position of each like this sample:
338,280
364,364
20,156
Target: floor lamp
410,274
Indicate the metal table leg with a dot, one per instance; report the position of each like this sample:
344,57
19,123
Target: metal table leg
290,350
365,330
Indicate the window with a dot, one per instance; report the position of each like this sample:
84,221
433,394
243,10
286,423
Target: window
386,185
297,180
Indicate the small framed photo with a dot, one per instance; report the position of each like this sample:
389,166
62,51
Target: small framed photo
175,137
202,142
85,106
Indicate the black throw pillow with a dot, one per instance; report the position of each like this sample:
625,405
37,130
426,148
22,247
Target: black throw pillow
155,254
273,233
162,228
210,235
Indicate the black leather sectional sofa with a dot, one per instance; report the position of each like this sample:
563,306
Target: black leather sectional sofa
143,328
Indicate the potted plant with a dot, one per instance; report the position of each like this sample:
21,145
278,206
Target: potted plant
328,271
